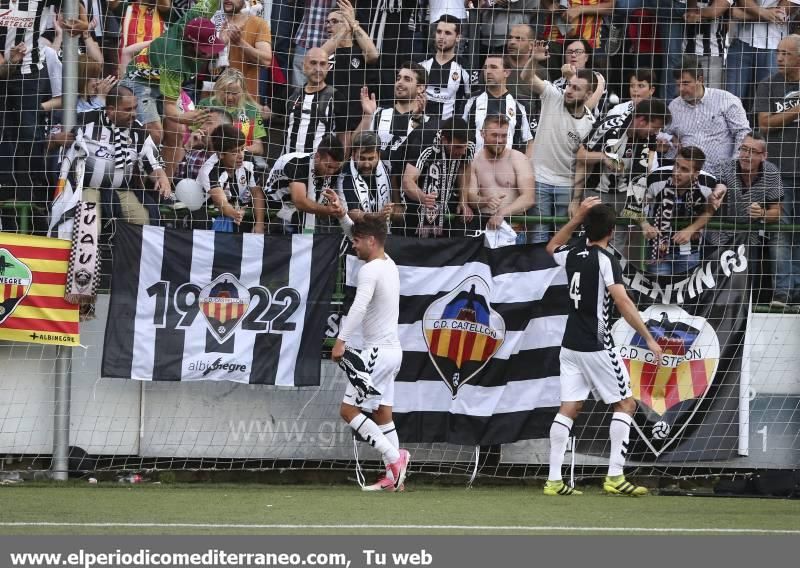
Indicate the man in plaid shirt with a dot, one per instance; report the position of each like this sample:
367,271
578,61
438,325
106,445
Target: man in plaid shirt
311,33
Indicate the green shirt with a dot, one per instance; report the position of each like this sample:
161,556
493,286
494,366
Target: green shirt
166,53
247,119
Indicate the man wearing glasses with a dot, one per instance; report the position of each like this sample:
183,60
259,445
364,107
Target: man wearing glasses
754,193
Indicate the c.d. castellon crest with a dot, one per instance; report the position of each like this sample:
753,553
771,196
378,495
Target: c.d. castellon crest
463,332
670,393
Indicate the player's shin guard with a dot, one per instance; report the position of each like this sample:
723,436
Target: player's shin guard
559,436
619,432
373,436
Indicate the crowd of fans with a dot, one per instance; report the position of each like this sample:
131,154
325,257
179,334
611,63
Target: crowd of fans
451,117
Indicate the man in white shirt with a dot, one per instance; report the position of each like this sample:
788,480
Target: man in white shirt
372,370
758,26
565,122
710,119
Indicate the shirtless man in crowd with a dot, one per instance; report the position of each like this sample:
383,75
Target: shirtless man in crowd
502,182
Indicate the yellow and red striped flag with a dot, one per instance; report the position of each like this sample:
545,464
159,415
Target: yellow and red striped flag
33,276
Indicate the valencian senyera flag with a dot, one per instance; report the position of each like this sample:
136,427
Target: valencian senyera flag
481,333
206,305
688,405
33,274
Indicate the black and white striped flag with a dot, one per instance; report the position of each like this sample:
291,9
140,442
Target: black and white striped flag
204,305
481,331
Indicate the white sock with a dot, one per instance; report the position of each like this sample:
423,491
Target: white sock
390,431
372,434
619,432
559,436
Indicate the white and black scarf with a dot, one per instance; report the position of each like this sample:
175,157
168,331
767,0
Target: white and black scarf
663,215
121,157
431,220
370,200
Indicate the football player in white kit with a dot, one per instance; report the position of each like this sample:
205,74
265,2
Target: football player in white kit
372,370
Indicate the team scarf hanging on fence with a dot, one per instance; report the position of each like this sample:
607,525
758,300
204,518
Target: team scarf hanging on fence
204,305
69,190
33,274
76,220
83,274
481,333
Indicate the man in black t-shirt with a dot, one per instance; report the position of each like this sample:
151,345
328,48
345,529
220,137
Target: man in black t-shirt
435,179
588,360
351,54
778,107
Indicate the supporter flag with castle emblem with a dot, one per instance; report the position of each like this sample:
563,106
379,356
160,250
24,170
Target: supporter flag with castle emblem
481,334
33,276
206,305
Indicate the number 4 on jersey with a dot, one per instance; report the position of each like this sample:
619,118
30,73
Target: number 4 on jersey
575,289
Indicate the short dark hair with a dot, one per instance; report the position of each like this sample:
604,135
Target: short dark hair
117,92
644,75
497,117
690,65
756,135
455,129
227,118
497,55
587,47
599,222
449,19
418,70
371,225
226,138
652,109
330,146
366,140
588,76
528,28
694,155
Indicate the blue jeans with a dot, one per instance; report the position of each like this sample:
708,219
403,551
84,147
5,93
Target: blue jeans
675,264
282,24
672,30
787,245
742,60
551,201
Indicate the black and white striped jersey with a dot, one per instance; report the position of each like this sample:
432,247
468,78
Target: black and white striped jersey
289,168
448,88
393,129
590,272
311,116
115,154
236,186
486,104
613,137
21,21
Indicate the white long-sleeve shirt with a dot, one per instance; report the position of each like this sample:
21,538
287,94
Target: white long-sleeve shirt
376,308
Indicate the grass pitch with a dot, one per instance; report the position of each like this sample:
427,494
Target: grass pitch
110,508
